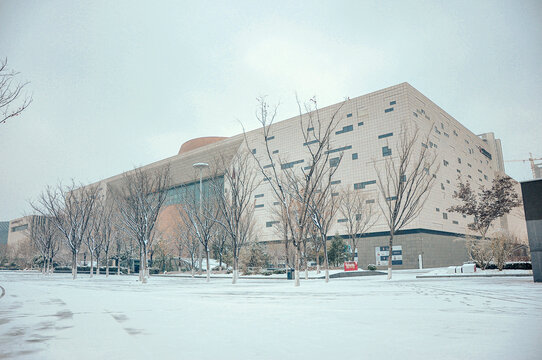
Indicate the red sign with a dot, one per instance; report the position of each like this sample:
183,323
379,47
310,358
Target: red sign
350,265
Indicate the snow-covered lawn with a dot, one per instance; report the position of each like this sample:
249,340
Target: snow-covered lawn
54,317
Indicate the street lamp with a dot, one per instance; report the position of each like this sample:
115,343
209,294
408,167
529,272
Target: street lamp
200,166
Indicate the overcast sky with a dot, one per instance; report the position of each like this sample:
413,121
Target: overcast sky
124,83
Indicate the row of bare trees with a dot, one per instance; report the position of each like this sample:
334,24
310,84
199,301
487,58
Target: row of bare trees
309,200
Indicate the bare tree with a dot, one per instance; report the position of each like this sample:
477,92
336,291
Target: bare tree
479,251
235,202
290,183
44,235
317,243
220,245
199,213
108,230
140,198
405,179
70,208
357,214
10,91
323,209
190,242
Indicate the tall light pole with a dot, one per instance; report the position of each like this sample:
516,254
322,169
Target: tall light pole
200,166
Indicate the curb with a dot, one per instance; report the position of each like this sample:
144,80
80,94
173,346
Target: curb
470,276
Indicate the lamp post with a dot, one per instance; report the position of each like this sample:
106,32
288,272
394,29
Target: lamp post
200,166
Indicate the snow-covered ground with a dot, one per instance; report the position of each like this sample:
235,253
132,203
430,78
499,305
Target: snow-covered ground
54,317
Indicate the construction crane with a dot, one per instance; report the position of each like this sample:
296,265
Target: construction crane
531,160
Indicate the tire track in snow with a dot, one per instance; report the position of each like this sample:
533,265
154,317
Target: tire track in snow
484,294
3,292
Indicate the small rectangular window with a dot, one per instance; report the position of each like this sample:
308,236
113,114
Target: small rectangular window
385,135
362,185
345,129
335,182
370,201
386,151
437,209
393,102
354,156
349,115
348,147
360,123
258,196
445,216
334,162
455,222
291,164
342,220
258,206
335,194
271,223
275,151
270,137
310,142
254,151
388,110
391,198
310,129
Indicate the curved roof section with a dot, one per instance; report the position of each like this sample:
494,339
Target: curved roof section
199,142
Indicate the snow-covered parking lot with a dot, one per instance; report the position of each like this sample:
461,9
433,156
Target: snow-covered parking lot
54,317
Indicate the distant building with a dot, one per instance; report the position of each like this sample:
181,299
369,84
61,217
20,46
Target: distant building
368,132
18,230
4,231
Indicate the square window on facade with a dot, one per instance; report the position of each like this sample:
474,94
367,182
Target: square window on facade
386,151
354,156
445,216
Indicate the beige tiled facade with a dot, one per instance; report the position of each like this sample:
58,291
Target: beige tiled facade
367,124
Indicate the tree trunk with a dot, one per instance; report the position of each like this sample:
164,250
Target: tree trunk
208,266
141,270
146,273
287,255
390,262
97,264
326,261
234,279
106,264
91,264
74,264
297,263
